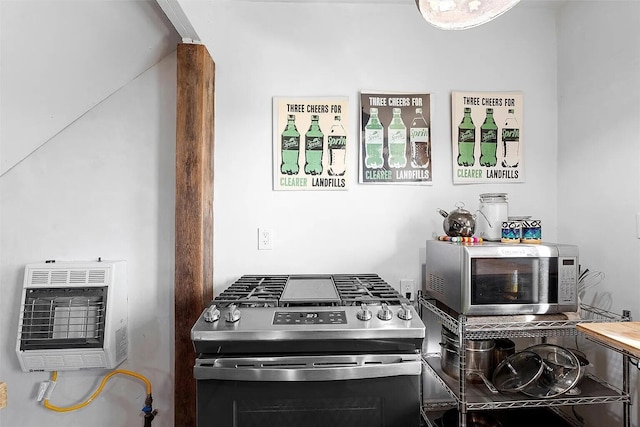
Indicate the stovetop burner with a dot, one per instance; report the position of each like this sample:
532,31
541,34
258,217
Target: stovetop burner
308,313
268,291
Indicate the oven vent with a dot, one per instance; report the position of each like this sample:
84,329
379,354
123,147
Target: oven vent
436,284
73,316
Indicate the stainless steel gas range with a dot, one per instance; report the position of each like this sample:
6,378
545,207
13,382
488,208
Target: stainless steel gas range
308,350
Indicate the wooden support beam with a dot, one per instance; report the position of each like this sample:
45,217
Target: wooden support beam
194,215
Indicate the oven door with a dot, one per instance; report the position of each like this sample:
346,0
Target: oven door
327,390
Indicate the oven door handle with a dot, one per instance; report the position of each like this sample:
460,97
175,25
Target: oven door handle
307,368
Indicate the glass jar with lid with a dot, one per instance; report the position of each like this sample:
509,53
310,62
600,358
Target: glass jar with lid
494,209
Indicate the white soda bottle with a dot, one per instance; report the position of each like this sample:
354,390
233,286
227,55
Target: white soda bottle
510,141
419,139
337,144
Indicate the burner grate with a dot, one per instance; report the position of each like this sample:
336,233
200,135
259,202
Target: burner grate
366,288
254,291
266,291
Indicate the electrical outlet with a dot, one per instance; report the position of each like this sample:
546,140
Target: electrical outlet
265,239
408,289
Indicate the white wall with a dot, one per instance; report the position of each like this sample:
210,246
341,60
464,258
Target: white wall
266,49
598,155
59,60
599,134
104,187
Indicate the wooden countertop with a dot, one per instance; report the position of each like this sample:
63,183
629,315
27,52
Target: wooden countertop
620,335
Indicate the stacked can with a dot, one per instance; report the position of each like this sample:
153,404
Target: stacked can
521,229
511,230
531,231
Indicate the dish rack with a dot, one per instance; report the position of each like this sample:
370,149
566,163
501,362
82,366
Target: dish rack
442,392
73,315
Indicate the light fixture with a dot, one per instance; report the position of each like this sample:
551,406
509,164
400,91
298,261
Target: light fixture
462,14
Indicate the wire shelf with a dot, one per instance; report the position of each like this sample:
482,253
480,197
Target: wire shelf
592,391
471,397
522,326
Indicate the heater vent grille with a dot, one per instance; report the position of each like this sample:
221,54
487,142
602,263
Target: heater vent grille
95,276
58,318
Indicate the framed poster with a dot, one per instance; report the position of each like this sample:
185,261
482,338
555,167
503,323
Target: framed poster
310,143
395,138
487,137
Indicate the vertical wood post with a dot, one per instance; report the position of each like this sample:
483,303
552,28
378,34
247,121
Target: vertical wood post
194,214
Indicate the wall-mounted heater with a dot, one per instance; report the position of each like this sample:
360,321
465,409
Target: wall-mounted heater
73,315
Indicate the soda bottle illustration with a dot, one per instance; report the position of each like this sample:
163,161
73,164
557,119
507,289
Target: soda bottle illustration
373,141
290,146
313,142
466,140
419,140
510,141
488,140
397,138
337,146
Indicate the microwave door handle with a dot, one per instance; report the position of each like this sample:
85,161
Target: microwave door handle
248,370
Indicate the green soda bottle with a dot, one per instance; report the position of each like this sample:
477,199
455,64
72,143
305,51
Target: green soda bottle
290,145
313,142
373,141
466,140
397,138
488,140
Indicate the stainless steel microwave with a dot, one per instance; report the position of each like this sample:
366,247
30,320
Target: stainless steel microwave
502,278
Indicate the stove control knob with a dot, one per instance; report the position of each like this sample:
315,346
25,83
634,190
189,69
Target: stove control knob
233,315
212,314
385,313
405,312
364,313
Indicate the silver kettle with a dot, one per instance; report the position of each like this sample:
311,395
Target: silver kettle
459,222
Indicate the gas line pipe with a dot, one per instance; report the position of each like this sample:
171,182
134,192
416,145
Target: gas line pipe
149,412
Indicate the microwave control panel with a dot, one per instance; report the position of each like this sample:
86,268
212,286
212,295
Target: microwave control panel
567,280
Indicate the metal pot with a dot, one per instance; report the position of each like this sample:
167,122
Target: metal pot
503,348
459,222
479,358
584,363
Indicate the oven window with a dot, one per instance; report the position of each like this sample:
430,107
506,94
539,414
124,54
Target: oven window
375,402
514,281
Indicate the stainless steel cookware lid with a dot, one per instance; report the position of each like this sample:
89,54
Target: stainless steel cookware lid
518,371
561,371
